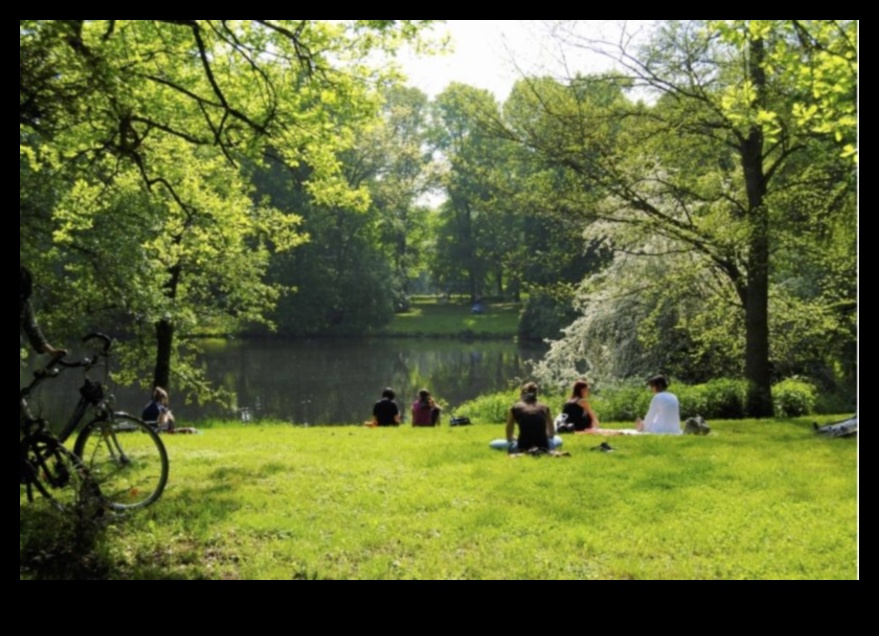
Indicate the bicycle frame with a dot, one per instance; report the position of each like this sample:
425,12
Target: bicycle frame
53,370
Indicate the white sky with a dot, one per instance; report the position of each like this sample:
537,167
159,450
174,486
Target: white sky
493,54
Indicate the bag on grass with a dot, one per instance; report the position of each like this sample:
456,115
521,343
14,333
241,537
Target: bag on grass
697,426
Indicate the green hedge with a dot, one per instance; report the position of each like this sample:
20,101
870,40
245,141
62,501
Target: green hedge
719,399
794,398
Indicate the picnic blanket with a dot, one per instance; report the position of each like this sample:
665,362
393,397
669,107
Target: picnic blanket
846,428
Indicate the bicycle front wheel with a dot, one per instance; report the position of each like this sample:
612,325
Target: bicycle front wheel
58,475
126,458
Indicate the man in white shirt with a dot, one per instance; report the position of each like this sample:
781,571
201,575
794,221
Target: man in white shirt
664,416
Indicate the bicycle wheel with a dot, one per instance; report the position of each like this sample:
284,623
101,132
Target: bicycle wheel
127,460
58,475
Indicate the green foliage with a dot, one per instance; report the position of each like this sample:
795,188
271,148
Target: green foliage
621,404
794,397
489,409
545,316
135,210
819,59
739,207
752,501
722,399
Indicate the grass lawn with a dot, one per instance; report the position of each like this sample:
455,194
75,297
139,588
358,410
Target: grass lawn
753,501
429,317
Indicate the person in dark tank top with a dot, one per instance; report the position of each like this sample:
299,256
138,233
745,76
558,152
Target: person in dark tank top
580,416
535,424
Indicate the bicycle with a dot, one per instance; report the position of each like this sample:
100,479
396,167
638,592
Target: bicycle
115,455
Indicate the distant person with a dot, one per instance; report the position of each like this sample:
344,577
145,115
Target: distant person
535,423
158,412
27,322
664,416
386,412
580,418
425,411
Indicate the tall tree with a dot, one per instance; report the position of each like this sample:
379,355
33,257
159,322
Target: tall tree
701,165
148,110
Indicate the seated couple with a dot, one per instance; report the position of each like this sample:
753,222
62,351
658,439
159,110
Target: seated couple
663,417
425,411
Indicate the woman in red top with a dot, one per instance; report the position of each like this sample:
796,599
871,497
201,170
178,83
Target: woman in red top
425,412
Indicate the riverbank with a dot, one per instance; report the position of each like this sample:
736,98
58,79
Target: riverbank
756,500
431,317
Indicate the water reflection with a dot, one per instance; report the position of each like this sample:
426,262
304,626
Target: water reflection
320,382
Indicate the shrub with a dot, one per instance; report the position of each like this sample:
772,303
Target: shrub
721,399
488,409
621,404
794,397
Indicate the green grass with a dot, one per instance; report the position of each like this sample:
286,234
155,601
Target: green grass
757,500
431,318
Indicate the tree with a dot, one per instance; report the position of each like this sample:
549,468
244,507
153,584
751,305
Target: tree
152,118
704,165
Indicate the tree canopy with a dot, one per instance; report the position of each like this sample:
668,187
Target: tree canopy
132,135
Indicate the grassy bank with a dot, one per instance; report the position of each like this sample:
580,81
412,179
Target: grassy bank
430,317
757,500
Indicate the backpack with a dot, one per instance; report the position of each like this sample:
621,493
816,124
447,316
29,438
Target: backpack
697,426
562,425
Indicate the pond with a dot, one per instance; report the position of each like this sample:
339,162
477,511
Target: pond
327,381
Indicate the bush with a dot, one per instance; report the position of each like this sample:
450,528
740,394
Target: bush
719,399
621,404
794,398
488,409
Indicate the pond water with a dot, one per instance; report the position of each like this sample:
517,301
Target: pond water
319,382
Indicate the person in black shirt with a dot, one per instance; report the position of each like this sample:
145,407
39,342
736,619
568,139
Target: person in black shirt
536,427
580,416
386,412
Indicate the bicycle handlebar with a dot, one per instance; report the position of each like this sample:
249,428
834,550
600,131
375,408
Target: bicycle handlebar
102,337
52,369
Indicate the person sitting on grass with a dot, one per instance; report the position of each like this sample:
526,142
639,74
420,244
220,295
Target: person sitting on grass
664,416
425,412
157,412
580,418
386,413
536,427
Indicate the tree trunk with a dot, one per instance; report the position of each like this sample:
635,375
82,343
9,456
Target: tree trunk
164,346
165,336
757,370
757,366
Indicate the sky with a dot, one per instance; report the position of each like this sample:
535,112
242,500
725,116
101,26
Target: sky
493,54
